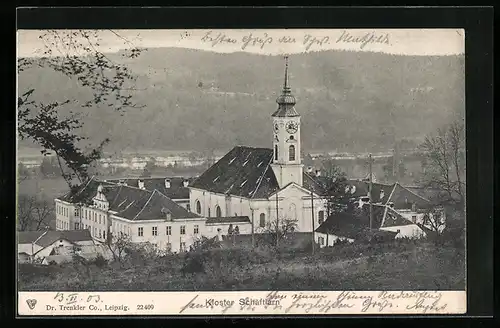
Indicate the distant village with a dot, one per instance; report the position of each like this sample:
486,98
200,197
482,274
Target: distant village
246,192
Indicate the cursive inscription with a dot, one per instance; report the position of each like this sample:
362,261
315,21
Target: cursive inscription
364,39
427,302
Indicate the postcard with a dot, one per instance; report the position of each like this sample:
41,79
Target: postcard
251,172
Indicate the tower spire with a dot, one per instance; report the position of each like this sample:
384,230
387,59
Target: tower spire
286,100
286,87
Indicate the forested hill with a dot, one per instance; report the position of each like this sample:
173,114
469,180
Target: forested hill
350,101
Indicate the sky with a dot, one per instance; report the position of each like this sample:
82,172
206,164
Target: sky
420,42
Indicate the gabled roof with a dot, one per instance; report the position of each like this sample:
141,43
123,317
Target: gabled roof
132,203
227,220
243,171
175,191
28,237
403,198
352,223
155,207
46,238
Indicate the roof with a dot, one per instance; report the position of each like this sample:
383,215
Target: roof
227,220
243,171
154,207
131,202
352,223
404,198
46,238
175,191
28,237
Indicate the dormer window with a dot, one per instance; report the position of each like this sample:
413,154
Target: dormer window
167,183
185,183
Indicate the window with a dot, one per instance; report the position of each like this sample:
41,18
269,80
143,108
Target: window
292,138
321,217
321,240
262,220
154,231
99,218
198,207
275,152
104,234
209,212
218,211
100,233
413,218
169,230
183,246
291,153
196,229
183,230
140,231
77,226
76,212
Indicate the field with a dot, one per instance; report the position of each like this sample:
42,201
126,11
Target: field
403,265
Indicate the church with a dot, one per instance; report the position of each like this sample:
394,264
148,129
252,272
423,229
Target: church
263,184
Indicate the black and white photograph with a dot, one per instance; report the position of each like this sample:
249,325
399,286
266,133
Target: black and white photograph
277,161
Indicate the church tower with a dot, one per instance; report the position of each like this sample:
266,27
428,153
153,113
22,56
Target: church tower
286,163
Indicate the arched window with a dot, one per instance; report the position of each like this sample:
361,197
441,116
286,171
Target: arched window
291,153
198,207
262,221
321,217
209,212
275,152
218,212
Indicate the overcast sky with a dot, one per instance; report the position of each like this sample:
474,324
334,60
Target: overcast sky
272,41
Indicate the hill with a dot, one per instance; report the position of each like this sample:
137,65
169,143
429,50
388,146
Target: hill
350,101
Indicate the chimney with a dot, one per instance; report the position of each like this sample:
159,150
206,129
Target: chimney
167,183
140,183
309,169
185,183
318,173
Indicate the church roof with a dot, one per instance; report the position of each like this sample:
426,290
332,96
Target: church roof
286,101
285,110
243,171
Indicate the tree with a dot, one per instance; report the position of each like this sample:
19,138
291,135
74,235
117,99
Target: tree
119,245
33,213
74,54
435,222
277,230
445,163
333,183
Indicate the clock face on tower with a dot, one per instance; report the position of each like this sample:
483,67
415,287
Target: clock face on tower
292,127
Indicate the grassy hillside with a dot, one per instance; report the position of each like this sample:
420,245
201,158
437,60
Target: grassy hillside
349,101
404,265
